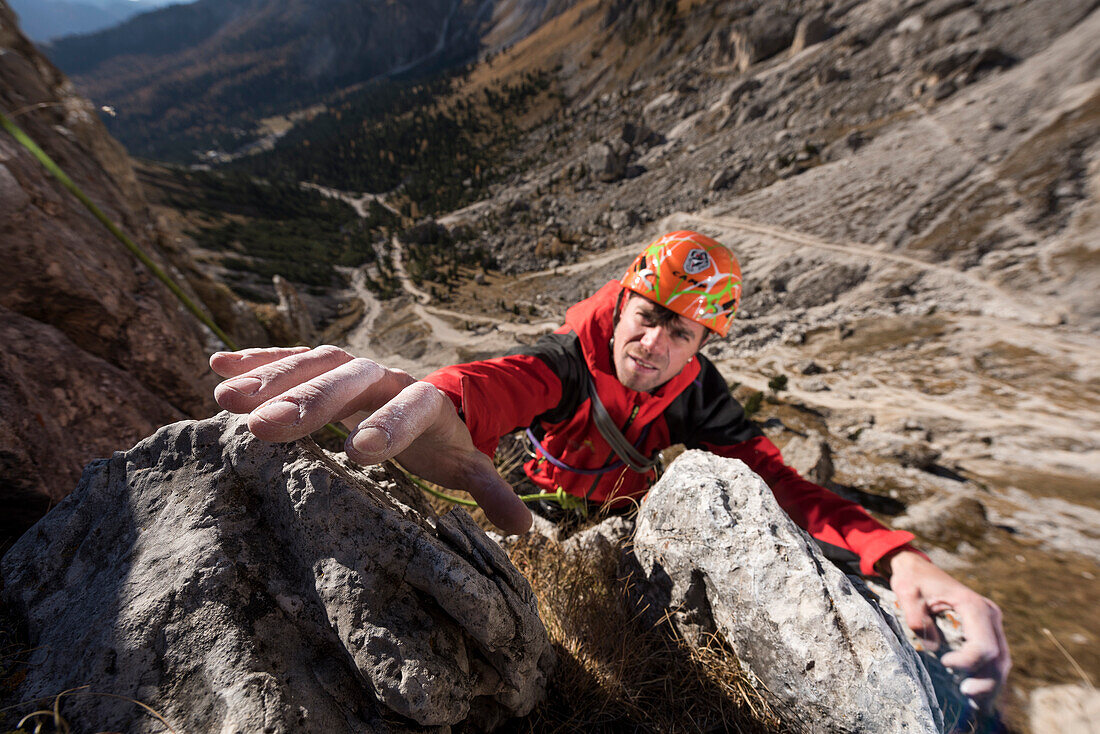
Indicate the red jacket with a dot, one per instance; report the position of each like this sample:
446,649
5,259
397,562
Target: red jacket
544,386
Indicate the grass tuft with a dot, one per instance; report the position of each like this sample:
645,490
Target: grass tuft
615,671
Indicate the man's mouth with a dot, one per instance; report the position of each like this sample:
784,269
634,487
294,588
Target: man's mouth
642,364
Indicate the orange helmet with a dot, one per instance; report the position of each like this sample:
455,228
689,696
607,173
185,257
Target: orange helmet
690,274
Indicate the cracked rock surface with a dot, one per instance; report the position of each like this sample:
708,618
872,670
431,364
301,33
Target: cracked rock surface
238,585
714,548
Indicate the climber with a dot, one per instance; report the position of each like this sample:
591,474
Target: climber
621,380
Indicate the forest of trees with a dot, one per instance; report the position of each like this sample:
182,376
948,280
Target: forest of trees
198,77
274,227
389,137
392,137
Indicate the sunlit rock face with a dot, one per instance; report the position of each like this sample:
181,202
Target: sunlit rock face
715,550
238,585
97,352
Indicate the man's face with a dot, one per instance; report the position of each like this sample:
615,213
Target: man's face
648,354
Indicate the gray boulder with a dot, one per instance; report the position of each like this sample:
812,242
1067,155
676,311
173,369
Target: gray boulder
638,135
946,519
714,549
237,585
763,35
908,451
601,542
958,26
965,58
811,29
622,219
811,457
724,178
1066,709
960,713
607,161
740,89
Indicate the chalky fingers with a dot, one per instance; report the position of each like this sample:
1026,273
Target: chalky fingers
268,378
984,656
393,427
232,364
307,407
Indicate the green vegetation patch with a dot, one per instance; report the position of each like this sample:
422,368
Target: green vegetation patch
272,227
389,137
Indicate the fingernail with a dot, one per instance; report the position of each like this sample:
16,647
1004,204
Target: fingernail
370,440
244,385
281,413
228,355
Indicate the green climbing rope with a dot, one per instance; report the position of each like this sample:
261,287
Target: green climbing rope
565,500
16,132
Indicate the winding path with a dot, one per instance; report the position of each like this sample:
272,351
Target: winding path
359,202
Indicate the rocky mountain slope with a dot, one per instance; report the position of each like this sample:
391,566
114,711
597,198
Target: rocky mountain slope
97,352
913,191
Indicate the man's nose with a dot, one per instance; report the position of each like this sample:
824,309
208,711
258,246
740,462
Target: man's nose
653,338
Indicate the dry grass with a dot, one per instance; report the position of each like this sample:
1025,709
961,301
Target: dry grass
617,673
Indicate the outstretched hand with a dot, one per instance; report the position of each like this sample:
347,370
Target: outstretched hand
291,392
923,590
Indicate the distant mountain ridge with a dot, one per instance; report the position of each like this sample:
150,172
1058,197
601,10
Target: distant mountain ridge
192,76
43,20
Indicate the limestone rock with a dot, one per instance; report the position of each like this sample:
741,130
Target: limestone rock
238,585
736,91
622,219
661,103
601,542
940,8
1066,709
763,35
638,135
724,178
607,161
965,58
811,457
908,451
946,519
811,29
958,26
960,713
714,548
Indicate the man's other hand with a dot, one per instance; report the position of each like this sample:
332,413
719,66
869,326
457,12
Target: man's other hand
291,392
923,590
